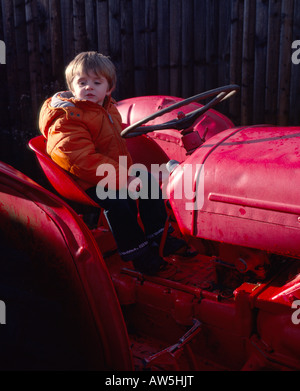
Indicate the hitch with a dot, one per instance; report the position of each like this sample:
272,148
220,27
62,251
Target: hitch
171,353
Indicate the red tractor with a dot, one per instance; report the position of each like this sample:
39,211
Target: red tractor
71,303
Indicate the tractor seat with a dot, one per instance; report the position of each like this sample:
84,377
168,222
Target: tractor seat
58,177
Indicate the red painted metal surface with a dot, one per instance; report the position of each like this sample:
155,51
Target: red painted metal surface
47,229
251,196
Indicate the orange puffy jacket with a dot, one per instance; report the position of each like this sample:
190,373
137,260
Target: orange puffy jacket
81,135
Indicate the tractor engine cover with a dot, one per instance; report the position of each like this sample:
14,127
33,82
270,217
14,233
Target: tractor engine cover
246,186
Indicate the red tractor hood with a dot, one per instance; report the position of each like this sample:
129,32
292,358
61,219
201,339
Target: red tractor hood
248,189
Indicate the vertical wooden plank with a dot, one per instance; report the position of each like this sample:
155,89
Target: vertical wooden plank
114,30
272,58
175,47
31,12
150,46
56,45
248,63
200,69
187,48
224,22
23,65
103,27
285,62
4,99
140,61
67,27
1,27
163,49
79,33
11,112
236,50
115,37
44,37
91,25
3,78
126,78
212,34
11,66
294,115
261,39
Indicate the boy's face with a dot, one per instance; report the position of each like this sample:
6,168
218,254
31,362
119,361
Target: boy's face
90,87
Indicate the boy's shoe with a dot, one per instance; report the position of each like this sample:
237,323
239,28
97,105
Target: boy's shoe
150,262
169,271
177,246
174,246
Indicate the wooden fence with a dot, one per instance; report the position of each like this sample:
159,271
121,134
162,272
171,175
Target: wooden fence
174,47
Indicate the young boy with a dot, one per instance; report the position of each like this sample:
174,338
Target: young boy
82,127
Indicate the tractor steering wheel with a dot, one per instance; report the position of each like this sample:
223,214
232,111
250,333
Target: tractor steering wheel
184,121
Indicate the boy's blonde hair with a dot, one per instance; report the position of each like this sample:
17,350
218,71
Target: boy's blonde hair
87,62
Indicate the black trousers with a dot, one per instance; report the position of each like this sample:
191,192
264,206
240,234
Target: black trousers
122,216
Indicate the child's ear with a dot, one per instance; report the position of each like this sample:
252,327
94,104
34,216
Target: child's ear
108,93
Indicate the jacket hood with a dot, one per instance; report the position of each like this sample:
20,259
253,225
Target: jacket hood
48,114
59,104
